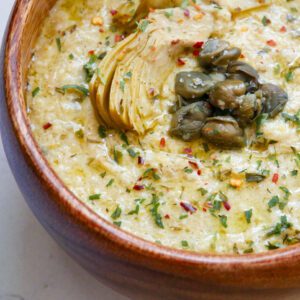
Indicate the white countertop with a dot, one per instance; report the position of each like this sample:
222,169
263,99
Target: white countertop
32,266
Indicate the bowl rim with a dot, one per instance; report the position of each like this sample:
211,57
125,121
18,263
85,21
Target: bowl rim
79,211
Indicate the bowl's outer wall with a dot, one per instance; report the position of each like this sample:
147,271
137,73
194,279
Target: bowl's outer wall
124,269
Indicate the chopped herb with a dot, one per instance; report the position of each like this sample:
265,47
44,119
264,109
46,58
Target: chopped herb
277,69
95,197
259,123
110,182
58,44
205,147
128,75
102,55
142,26
35,91
118,224
73,88
117,213
203,191
152,172
265,21
273,201
223,220
169,13
294,173
122,85
90,68
289,76
273,246
118,155
280,227
154,211
185,3
184,244
255,177
135,211
71,56
181,217
286,191
124,138
292,118
79,133
188,170
102,132
248,215
103,174
132,153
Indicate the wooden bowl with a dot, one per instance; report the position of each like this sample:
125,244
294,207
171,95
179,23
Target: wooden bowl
132,266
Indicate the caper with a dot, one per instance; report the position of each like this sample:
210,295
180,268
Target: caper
212,48
227,56
275,99
224,132
216,53
188,121
243,70
250,106
224,95
217,77
192,85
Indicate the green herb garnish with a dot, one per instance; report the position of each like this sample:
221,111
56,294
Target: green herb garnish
35,92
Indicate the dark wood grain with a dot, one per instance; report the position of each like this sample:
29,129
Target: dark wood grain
135,267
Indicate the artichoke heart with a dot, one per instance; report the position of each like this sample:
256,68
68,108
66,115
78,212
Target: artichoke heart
126,87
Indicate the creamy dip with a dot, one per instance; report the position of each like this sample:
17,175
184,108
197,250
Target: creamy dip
187,195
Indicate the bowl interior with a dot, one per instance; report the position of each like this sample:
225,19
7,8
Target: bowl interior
26,22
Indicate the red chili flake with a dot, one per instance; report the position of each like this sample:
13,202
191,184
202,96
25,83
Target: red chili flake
283,29
275,178
91,52
47,126
199,172
198,45
162,142
167,216
242,55
175,42
271,43
188,207
151,92
196,53
113,12
138,187
188,151
141,161
180,62
101,30
119,38
204,209
194,165
187,13
226,205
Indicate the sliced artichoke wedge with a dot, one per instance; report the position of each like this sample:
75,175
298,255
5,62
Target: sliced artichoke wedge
128,83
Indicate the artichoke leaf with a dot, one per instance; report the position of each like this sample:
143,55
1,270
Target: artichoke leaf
100,83
141,63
